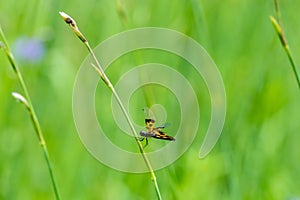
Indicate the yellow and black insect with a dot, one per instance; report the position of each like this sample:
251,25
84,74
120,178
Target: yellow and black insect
154,132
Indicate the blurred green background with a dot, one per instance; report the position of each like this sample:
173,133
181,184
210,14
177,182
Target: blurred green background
257,156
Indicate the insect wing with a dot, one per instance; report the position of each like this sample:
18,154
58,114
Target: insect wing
147,134
163,126
161,135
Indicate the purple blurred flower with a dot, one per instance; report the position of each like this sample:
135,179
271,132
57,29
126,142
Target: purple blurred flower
29,49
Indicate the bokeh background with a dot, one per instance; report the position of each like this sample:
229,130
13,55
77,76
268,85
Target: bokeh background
257,156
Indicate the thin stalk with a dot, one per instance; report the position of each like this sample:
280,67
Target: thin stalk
103,76
277,24
30,109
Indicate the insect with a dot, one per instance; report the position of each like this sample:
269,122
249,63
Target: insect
155,132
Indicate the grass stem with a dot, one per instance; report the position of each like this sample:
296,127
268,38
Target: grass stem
277,24
103,76
27,102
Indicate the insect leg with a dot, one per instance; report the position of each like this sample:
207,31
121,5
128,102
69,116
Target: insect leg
146,143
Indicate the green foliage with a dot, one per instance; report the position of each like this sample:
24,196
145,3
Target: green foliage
257,156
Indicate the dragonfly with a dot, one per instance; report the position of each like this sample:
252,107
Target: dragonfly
154,132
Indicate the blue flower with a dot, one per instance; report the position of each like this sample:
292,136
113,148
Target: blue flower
29,49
